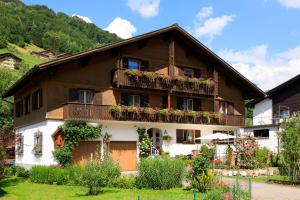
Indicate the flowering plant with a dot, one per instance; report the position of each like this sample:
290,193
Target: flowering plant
164,112
191,113
178,113
132,109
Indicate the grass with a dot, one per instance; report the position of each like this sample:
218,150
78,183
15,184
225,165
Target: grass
262,179
24,53
19,189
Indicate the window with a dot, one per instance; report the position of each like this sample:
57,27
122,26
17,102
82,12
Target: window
38,143
284,112
184,136
27,105
188,72
261,133
134,64
223,108
19,144
134,100
85,96
19,108
188,104
37,99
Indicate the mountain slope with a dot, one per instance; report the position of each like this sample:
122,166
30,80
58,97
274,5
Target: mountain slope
20,24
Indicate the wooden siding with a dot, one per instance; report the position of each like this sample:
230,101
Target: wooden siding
125,154
86,150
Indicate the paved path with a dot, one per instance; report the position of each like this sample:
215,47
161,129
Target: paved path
266,191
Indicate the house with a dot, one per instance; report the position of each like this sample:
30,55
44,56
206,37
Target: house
270,111
8,60
192,91
46,54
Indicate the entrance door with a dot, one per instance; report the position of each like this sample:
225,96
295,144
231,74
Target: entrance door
125,154
86,150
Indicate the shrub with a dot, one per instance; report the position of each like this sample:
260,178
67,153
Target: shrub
97,174
262,157
124,183
214,195
9,171
201,165
22,172
73,174
208,152
160,173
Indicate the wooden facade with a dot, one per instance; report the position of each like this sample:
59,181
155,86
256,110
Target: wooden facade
170,51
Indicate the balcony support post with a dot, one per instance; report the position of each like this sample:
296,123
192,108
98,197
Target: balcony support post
216,82
169,101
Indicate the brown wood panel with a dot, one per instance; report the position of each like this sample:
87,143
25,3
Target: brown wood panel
125,153
86,150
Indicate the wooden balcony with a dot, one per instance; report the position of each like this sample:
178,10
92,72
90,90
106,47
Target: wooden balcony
73,111
121,79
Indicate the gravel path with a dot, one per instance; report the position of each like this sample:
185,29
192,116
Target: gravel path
266,191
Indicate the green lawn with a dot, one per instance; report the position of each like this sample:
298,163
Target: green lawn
16,188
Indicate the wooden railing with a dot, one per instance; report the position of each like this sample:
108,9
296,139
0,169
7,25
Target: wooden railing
120,79
73,111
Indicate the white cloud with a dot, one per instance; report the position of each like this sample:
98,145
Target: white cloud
122,27
263,68
206,26
205,12
146,8
290,3
86,19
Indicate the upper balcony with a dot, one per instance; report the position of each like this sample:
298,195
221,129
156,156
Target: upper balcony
74,111
157,81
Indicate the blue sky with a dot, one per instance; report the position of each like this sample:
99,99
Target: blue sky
260,38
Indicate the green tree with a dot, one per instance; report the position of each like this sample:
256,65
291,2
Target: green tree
290,144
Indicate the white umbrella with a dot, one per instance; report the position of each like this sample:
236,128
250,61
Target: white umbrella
216,136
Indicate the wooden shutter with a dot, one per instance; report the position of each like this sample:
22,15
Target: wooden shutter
164,102
144,66
197,134
124,99
230,108
179,136
73,94
144,100
40,93
197,104
180,103
197,73
125,63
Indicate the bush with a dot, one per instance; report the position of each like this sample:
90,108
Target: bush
214,195
160,173
262,157
9,171
208,152
124,183
97,174
201,165
73,174
22,172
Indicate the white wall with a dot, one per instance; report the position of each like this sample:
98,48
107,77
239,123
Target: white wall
28,159
263,112
271,143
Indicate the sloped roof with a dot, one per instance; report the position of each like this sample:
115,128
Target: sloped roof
175,27
3,55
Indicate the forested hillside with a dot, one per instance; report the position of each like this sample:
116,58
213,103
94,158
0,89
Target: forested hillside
37,24
26,28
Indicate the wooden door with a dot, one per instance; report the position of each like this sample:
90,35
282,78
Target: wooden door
86,150
125,154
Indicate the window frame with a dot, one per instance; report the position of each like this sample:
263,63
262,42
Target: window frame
134,60
223,103
186,134
261,135
37,99
186,102
133,97
27,105
85,92
284,108
19,108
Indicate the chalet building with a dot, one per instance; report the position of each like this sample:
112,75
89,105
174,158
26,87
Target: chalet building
8,60
270,111
47,54
165,81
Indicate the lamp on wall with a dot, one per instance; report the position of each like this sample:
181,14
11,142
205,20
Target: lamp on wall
165,132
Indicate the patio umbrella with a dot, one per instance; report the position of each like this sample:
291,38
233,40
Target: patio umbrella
216,136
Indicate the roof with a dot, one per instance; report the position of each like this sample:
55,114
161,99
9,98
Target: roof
3,55
175,27
277,89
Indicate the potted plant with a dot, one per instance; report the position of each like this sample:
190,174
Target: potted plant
191,113
19,150
165,78
218,116
133,73
179,79
115,110
167,138
132,109
164,112
149,111
37,149
151,76
206,115
178,113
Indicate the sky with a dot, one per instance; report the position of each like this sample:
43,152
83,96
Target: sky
259,38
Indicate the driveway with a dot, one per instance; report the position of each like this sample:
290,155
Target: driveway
266,191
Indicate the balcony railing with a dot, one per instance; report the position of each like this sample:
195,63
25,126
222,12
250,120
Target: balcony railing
73,111
163,82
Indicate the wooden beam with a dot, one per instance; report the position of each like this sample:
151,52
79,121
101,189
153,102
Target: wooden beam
119,60
171,57
216,82
169,101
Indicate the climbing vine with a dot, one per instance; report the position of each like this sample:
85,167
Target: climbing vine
74,132
144,143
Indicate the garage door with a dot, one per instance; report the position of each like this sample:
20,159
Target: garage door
86,150
125,154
